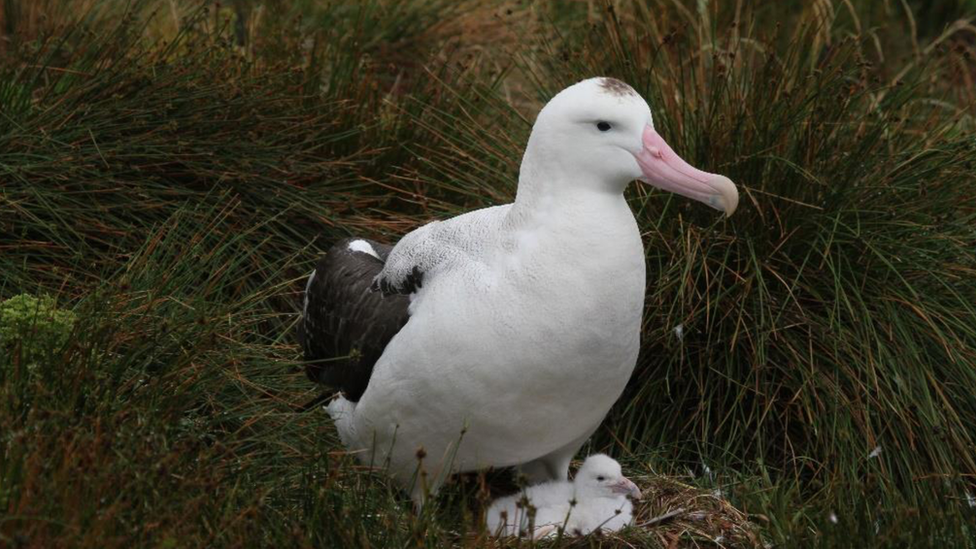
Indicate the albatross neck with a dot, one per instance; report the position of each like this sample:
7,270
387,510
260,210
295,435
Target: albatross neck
547,190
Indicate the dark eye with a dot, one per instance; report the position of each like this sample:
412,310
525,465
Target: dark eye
601,478
603,126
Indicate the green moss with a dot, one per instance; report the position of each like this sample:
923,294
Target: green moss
34,327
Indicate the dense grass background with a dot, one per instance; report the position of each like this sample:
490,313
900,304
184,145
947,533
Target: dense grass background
170,169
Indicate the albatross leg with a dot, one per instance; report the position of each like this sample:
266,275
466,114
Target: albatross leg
554,465
535,472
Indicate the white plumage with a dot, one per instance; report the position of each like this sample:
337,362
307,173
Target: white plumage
595,500
526,326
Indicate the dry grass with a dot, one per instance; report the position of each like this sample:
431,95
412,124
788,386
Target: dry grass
674,512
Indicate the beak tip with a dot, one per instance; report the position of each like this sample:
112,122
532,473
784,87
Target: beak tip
726,197
634,491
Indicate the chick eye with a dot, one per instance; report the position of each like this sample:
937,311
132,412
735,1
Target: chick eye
603,126
601,478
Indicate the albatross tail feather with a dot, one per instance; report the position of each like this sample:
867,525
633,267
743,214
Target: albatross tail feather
341,412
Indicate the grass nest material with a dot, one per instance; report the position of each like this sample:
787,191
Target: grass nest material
678,514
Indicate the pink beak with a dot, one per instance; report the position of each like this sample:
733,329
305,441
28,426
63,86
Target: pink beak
626,487
664,169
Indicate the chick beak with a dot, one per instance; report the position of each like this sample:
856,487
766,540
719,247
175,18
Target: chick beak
626,487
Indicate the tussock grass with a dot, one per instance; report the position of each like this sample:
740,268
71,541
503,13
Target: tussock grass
168,172
831,317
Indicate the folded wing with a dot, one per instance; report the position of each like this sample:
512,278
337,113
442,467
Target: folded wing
345,326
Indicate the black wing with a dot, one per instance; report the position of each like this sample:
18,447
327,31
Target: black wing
346,325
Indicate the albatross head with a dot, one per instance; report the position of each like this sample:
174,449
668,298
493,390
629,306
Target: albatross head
601,477
600,131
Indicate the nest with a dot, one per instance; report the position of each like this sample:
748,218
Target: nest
677,514
672,514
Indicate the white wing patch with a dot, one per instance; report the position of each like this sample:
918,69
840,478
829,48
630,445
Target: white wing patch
308,286
363,247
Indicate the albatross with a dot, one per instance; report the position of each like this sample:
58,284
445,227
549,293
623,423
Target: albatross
501,337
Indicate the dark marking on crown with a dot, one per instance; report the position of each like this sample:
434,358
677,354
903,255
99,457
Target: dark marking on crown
616,87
